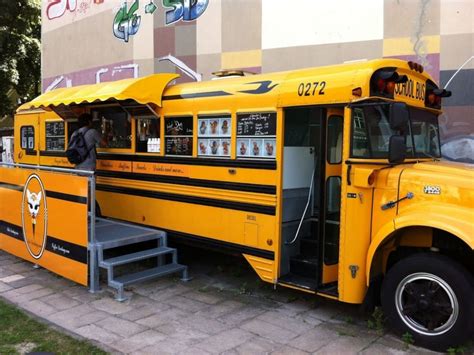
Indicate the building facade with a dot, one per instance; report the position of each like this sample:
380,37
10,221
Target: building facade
91,41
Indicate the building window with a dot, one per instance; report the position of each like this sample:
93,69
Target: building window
214,135
179,136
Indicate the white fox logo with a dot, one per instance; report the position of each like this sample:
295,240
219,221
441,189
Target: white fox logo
34,201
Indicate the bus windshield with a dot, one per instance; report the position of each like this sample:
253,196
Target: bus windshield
371,133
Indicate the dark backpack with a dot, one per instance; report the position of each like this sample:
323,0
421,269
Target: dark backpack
77,150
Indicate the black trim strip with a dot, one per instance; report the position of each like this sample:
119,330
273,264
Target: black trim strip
31,152
66,197
54,245
50,153
219,245
196,95
248,207
6,185
49,193
263,189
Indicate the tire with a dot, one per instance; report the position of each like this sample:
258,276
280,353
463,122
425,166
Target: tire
430,296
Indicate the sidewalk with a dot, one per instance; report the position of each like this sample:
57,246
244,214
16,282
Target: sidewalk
221,311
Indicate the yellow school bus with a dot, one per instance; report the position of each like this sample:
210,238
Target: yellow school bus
327,180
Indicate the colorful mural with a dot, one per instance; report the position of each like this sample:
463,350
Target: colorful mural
186,10
127,22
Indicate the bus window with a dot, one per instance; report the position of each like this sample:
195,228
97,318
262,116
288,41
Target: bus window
256,135
27,137
179,136
116,128
334,137
148,134
54,136
214,136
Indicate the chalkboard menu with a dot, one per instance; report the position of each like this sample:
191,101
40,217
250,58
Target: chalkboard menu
55,135
256,135
256,124
179,136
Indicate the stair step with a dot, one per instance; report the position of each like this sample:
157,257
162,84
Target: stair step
304,266
130,258
309,247
298,281
146,275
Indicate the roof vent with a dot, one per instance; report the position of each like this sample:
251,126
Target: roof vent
231,73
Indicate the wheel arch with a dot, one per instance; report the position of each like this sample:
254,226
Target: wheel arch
434,234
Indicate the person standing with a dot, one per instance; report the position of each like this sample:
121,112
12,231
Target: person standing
92,139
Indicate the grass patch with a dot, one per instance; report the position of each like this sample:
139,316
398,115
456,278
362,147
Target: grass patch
20,333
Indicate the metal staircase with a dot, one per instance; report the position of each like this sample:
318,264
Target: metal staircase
112,235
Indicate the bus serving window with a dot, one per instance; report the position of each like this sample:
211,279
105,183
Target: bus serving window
256,135
115,127
27,137
179,136
214,136
148,134
54,135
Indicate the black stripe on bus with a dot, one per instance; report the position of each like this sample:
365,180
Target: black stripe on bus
240,206
49,193
248,164
31,152
219,245
263,189
50,153
54,245
196,95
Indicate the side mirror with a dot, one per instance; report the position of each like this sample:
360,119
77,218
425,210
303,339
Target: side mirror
399,116
397,149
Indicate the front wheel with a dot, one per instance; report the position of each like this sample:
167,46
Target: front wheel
429,296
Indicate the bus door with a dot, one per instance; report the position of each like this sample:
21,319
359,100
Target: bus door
331,199
312,161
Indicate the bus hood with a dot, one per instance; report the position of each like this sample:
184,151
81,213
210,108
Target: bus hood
442,196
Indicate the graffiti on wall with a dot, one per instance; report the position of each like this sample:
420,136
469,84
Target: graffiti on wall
57,8
186,10
126,21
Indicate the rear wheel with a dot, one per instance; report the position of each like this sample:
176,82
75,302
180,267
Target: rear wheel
428,296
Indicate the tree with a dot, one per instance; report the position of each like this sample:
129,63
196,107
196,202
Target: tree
20,52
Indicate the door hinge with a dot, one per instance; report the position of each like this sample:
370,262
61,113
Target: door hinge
354,269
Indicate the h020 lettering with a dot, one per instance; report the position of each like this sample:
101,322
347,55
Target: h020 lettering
311,89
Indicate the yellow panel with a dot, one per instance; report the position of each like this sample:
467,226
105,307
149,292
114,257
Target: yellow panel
244,59
405,46
263,267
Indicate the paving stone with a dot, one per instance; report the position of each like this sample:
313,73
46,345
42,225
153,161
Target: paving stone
121,327
144,311
60,302
206,325
182,332
161,318
193,351
11,295
12,278
4,287
166,293
111,306
297,326
269,331
226,340
205,297
313,339
77,317
139,341
377,348
288,350
241,315
29,288
255,346
164,347
185,304
39,308
345,344
221,309
99,334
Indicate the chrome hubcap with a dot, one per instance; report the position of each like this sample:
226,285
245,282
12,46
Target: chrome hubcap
426,304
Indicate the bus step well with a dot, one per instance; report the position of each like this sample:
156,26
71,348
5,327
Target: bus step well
122,246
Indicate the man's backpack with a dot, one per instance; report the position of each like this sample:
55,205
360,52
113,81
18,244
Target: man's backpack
77,150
